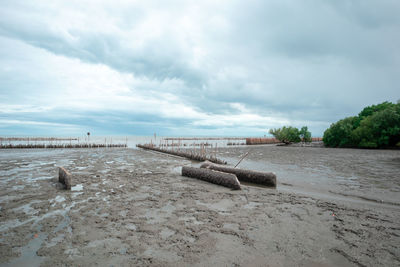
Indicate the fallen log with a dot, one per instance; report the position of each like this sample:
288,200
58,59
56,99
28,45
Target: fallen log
264,178
215,177
64,177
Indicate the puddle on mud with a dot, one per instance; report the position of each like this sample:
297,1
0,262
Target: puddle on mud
123,213
131,226
153,216
189,239
177,170
160,215
41,178
75,194
223,205
256,185
106,199
166,233
78,187
169,208
251,205
231,226
54,241
190,220
28,255
165,255
5,226
27,209
81,168
64,224
59,199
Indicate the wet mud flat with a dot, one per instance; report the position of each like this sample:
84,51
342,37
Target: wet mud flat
131,207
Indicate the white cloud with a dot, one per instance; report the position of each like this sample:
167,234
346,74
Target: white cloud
5,123
205,64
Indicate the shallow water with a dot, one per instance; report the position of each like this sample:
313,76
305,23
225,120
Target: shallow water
350,174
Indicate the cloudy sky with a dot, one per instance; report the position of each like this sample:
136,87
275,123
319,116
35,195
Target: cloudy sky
187,68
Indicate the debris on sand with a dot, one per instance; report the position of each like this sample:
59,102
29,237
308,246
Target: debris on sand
264,178
215,177
64,177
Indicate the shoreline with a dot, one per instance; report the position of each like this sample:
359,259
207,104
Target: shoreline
132,207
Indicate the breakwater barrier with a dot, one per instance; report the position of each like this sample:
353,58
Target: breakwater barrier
189,154
262,141
202,138
83,145
266,140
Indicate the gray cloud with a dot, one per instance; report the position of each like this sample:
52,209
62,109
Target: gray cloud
309,61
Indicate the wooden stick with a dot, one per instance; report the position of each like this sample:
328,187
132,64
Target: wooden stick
245,155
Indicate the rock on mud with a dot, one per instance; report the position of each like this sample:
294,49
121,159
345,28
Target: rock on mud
64,177
215,177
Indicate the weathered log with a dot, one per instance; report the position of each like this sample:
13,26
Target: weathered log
64,177
215,177
264,178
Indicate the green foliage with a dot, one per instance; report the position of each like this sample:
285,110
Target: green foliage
305,135
339,134
375,126
368,111
291,134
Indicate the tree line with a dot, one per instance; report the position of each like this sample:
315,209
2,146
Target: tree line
376,126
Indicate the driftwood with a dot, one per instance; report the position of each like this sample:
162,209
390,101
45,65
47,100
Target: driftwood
264,178
64,177
189,155
215,177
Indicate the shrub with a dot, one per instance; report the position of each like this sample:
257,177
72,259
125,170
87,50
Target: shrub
375,126
291,134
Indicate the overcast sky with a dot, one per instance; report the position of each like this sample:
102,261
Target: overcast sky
235,68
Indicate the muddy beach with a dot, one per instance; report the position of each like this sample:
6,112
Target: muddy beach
129,207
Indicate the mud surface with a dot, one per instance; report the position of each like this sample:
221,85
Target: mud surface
129,207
